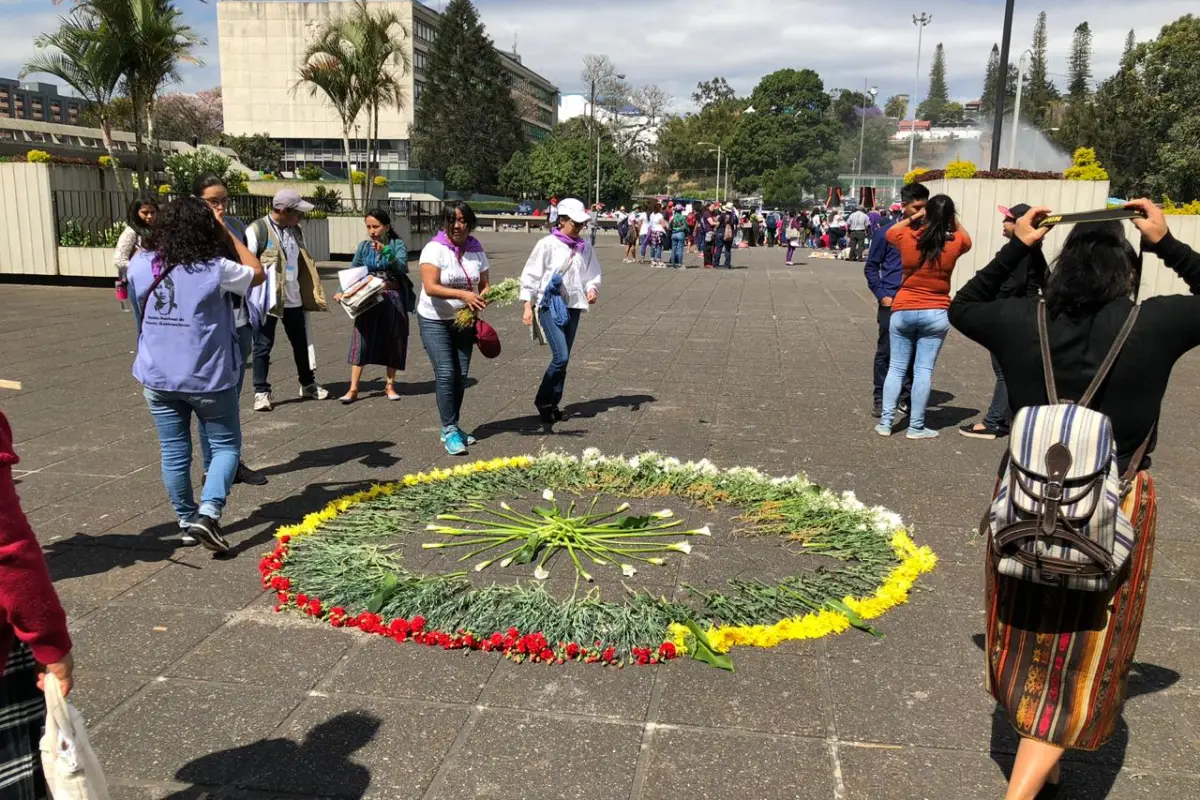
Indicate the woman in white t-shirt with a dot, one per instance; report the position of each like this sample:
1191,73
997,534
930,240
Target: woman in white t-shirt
454,272
561,271
658,230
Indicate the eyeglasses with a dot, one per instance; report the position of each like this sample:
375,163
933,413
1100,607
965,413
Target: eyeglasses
217,202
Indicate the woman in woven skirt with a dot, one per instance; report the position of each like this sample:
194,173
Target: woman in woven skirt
33,639
381,334
1058,658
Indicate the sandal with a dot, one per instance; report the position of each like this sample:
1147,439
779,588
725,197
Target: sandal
392,394
348,398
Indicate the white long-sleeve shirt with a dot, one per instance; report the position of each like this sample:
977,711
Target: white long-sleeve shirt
580,272
127,245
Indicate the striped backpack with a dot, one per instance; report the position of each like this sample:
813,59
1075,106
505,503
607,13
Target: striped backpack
1056,518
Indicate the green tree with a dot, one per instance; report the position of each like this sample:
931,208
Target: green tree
1081,63
1178,170
327,68
258,152
1040,92
678,148
792,127
1130,43
466,114
708,93
82,57
896,106
561,165
987,97
515,179
459,178
185,167
380,60
933,106
783,187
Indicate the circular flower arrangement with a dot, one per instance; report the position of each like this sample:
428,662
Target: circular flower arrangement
342,564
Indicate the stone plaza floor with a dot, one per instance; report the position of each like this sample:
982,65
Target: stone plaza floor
193,687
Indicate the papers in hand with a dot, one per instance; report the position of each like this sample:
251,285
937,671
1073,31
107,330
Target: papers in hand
362,295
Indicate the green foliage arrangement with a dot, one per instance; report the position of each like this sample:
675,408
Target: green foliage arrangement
74,234
310,172
358,178
108,162
1186,209
326,199
258,152
380,181
165,188
237,181
184,168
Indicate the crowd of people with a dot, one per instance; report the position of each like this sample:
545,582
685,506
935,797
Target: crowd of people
208,292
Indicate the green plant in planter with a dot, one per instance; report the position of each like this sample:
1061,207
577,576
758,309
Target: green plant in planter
358,178
310,172
913,174
74,235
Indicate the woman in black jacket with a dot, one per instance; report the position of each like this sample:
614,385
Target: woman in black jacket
1079,644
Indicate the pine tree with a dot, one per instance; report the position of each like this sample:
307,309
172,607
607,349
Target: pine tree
934,105
1130,43
1081,63
1040,91
466,117
987,99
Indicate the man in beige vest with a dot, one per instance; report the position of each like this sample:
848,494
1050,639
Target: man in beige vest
293,288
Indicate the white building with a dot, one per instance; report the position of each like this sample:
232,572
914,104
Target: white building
629,119
262,43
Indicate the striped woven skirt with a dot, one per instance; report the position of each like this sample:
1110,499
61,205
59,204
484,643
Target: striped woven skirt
22,716
381,334
1058,658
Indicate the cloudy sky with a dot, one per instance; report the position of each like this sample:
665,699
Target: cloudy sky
670,43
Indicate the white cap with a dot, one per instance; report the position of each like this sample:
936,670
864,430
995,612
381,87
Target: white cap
573,209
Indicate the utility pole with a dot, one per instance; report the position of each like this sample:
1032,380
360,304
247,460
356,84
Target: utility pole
1016,131
862,135
597,169
1002,86
920,20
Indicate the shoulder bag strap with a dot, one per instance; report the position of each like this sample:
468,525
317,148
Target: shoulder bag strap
1047,365
1111,358
1135,463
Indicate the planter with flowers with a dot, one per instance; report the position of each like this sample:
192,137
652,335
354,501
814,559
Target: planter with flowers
606,560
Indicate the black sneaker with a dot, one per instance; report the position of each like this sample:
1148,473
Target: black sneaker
877,410
546,414
207,531
903,408
248,476
979,430
559,414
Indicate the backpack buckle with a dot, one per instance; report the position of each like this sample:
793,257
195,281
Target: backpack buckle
1053,492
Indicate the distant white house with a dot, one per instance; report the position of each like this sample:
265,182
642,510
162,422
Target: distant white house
927,132
629,118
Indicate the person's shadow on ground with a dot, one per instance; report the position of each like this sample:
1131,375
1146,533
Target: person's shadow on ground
321,765
532,425
1085,776
940,415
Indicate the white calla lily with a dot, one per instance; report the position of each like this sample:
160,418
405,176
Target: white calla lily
683,547
548,496
541,573
628,570
705,531
482,565
666,513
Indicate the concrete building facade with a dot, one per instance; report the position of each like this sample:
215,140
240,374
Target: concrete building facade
39,102
261,47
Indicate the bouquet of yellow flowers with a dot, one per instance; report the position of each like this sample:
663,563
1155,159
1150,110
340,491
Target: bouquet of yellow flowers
503,293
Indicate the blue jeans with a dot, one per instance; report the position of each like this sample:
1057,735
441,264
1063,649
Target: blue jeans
999,415
550,393
677,240
645,242
449,352
726,248
221,435
917,336
245,342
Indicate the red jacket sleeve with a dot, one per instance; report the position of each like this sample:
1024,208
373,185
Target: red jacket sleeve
28,602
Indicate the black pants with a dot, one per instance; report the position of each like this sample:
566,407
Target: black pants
857,240
883,358
264,341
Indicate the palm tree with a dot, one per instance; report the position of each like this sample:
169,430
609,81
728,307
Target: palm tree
329,67
90,63
380,64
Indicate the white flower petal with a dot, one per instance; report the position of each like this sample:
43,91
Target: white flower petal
628,570
504,562
705,531
482,565
666,513
505,506
540,573
623,507
683,547
658,562
548,495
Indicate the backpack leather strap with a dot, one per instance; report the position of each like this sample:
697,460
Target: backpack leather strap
1111,358
1047,365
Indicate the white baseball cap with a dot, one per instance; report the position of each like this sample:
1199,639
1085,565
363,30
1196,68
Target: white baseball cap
573,209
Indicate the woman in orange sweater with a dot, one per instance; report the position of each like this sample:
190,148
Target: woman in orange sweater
930,244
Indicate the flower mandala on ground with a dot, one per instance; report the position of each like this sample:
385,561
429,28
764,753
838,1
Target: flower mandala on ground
340,564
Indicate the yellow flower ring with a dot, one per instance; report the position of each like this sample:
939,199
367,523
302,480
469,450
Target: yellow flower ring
644,475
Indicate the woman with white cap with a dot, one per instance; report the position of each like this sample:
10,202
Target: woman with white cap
560,280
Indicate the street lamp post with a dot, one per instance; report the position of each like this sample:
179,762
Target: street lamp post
592,114
710,145
1016,128
1001,87
920,21
598,168
862,135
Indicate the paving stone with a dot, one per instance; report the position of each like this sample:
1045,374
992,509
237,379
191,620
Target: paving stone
708,765
750,698
142,640
198,733
86,577
911,636
385,668
346,747
572,688
515,754
238,652
96,694
930,774
210,583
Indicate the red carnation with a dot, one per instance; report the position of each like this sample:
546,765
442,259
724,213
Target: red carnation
572,650
608,655
667,650
513,632
546,655
497,640
418,622
301,599
314,608
285,539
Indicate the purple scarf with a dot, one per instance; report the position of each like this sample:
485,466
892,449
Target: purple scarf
472,245
576,245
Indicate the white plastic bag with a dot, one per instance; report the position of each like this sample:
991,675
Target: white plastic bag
68,761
